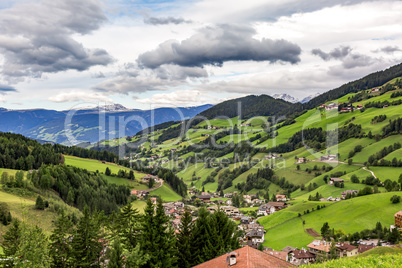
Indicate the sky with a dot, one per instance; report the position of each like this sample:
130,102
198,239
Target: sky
61,54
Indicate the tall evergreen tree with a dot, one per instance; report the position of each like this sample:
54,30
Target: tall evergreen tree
33,251
86,243
184,240
12,238
128,226
116,256
157,238
60,247
200,238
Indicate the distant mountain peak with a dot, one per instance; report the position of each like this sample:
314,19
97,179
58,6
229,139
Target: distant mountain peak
308,98
285,97
115,107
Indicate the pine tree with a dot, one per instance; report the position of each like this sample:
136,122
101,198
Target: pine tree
33,250
200,238
108,172
60,250
86,243
184,239
116,256
128,226
157,238
39,203
12,238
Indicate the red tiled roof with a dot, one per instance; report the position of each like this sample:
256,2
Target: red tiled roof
345,246
320,245
247,257
364,248
302,254
399,213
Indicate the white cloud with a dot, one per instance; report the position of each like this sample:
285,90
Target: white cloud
179,99
74,96
3,98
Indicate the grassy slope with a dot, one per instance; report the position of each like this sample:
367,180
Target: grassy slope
362,212
94,165
166,193
23,208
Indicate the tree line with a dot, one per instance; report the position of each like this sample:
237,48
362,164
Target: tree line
125,239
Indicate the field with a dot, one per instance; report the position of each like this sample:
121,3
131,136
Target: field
166,193
94,165
384,261
23,208
140,205
285,228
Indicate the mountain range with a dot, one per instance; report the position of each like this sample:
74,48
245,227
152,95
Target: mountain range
291,99
85,125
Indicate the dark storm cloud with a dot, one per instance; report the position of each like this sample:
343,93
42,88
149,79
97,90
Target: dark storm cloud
215,45
165,20
36,38
337,53
5,88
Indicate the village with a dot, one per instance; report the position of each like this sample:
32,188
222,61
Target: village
253,232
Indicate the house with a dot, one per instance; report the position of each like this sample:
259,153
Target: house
246,220
398,219
231,211
333,180
255,226
257,201
319,247
154,200
277,205
134,192
280,197
228,195
191,193
279,254
288,249
346,250
345,193
204,198
364,248
245,257
359,106
301,160
173,150
179,205
229,202
255,236
265,210
301,256
247,198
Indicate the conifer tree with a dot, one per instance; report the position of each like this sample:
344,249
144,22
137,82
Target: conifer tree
184,240
128,226
60,247
200,238
33,250
12,238
86,243
116,256
157,238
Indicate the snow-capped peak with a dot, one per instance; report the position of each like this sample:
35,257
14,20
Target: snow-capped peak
285,97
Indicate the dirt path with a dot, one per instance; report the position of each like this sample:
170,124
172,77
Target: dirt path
372,173
312,232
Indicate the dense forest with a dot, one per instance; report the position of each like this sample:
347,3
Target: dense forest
80,188
19,152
